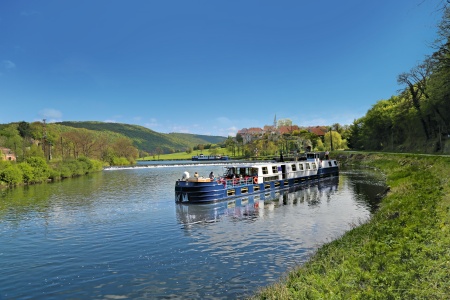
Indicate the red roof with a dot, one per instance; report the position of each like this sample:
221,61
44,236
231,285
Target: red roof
287,129
318,130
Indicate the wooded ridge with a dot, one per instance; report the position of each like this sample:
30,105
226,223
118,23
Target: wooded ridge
148,140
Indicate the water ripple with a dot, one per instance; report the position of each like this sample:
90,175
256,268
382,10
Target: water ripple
118,235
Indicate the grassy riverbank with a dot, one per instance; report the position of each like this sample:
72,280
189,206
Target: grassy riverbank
403,252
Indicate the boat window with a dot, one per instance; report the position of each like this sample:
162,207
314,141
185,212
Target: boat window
300,166
294,167
274,169
307,166
329,163
313,166
264,170
335,163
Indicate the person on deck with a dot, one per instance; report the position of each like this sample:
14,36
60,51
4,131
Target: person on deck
211,175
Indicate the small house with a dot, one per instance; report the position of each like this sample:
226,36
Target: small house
7,154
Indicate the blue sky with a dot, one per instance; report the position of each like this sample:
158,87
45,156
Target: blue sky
204,66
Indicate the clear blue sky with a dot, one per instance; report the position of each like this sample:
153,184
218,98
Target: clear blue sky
205,66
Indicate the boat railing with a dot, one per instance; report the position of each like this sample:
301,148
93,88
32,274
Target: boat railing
237,181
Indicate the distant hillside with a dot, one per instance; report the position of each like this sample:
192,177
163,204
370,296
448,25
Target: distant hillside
147,139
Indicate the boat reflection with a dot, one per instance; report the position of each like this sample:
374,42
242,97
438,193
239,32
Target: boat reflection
252,207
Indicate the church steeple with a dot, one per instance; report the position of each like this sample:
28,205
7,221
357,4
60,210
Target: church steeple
275,121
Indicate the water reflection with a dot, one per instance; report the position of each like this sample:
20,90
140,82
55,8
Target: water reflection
251,207
119,234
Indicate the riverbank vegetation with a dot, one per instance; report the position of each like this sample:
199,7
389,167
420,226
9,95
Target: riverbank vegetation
403,252
38,170
147,141
417,119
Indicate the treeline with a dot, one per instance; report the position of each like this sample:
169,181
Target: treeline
58,142
148,141
295,142
37,170
418,119
50,151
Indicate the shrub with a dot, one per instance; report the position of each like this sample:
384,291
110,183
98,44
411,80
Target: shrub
41,170
11,175
84,164
97,165
54,174
27,172
119,161
78,167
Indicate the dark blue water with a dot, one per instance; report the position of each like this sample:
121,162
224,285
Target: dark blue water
119,234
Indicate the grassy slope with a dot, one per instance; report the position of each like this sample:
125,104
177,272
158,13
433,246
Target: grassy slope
403,252
147,139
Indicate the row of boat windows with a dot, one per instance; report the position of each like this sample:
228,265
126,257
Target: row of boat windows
275,169
296,167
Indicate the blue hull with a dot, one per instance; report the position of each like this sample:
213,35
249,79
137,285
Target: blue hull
203,192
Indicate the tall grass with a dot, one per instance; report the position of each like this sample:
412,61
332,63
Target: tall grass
403,252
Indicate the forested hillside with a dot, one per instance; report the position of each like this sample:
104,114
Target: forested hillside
418,119
148,140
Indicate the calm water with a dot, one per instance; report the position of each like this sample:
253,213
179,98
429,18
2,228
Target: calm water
119,234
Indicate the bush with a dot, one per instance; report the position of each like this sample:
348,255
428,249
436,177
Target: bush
11,175
119,161
27,172
41,170
97,165
84,164
78,167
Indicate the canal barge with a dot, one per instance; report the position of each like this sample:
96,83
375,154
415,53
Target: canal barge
247,179
202,157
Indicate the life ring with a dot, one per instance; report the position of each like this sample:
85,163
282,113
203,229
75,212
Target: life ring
255,179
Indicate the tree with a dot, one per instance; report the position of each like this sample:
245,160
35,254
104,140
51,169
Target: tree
123,147
41,170
12,139
230,144
284,122
239,142
159,151
355,137
333,137
24,129
416,85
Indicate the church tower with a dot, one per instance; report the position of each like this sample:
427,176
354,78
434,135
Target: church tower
275,122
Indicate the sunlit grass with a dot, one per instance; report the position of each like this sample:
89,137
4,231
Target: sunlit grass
403,252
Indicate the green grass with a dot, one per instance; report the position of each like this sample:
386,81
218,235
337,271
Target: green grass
184,155
403,252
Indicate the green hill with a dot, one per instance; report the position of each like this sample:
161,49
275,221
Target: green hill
148,140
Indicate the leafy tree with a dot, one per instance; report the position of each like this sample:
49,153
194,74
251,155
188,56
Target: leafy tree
27,172
416,81
333,137
41,170
123,147
355,137
11,174
284,122
231,145
24,129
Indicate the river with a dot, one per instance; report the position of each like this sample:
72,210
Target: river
119,234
